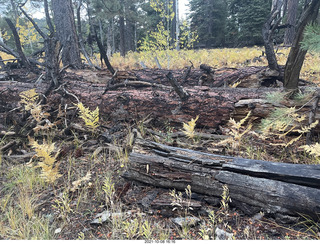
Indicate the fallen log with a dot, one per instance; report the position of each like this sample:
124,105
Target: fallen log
280,190
136,99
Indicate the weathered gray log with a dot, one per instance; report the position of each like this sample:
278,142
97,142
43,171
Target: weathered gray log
281,190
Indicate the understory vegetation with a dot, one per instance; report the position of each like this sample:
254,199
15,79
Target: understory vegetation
73,189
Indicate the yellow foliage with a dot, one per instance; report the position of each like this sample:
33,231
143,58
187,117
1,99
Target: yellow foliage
312,149
90,118
188,128
30,100
27,33
50,169
282,122
237,132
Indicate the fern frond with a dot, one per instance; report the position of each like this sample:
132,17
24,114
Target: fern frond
312,149
90,118
47,163
29,98
188,128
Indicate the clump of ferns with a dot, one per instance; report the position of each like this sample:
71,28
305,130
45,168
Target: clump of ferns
90,118
30,100
237,132
313,150
284,127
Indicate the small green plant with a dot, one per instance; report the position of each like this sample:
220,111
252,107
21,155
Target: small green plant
146,230
109,190
90,118
178,202
62,204
131,228
275,97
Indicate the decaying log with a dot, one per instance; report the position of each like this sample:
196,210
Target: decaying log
280,190
131,99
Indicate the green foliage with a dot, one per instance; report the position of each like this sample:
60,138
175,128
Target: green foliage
283,121
109,190
311,38
208,19
246,20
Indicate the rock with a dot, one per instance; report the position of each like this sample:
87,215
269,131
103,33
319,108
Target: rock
106,215
223,235
190,221
57,231
101,217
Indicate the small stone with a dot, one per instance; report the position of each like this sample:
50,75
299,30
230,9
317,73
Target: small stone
57,231
101,217
223,235
189,221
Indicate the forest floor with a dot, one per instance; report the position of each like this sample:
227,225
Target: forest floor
89,198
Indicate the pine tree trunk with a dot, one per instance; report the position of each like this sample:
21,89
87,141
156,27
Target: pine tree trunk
66,32
291,21
297,54
122,37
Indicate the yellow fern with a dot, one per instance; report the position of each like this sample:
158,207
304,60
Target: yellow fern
188,128
29,98
237,132
90,118
312,149
50,169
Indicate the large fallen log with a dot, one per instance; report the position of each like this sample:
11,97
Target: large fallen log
280,190
135,99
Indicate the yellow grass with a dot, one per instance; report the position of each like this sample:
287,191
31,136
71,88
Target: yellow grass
222,57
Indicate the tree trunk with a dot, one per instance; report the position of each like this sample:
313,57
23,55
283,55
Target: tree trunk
122,37
22,56
66,32
267,33
291,22
281,190
129,97
297,54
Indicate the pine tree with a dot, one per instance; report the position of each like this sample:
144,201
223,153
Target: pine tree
208,19
248,17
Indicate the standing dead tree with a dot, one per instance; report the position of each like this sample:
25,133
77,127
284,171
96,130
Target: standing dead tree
52,48
268,30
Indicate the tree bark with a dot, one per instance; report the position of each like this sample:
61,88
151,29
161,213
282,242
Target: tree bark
292,10
267,33
122,36
297,54
66,32
281,190
22,56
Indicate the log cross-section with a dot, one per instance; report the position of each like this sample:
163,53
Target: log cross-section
281,190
